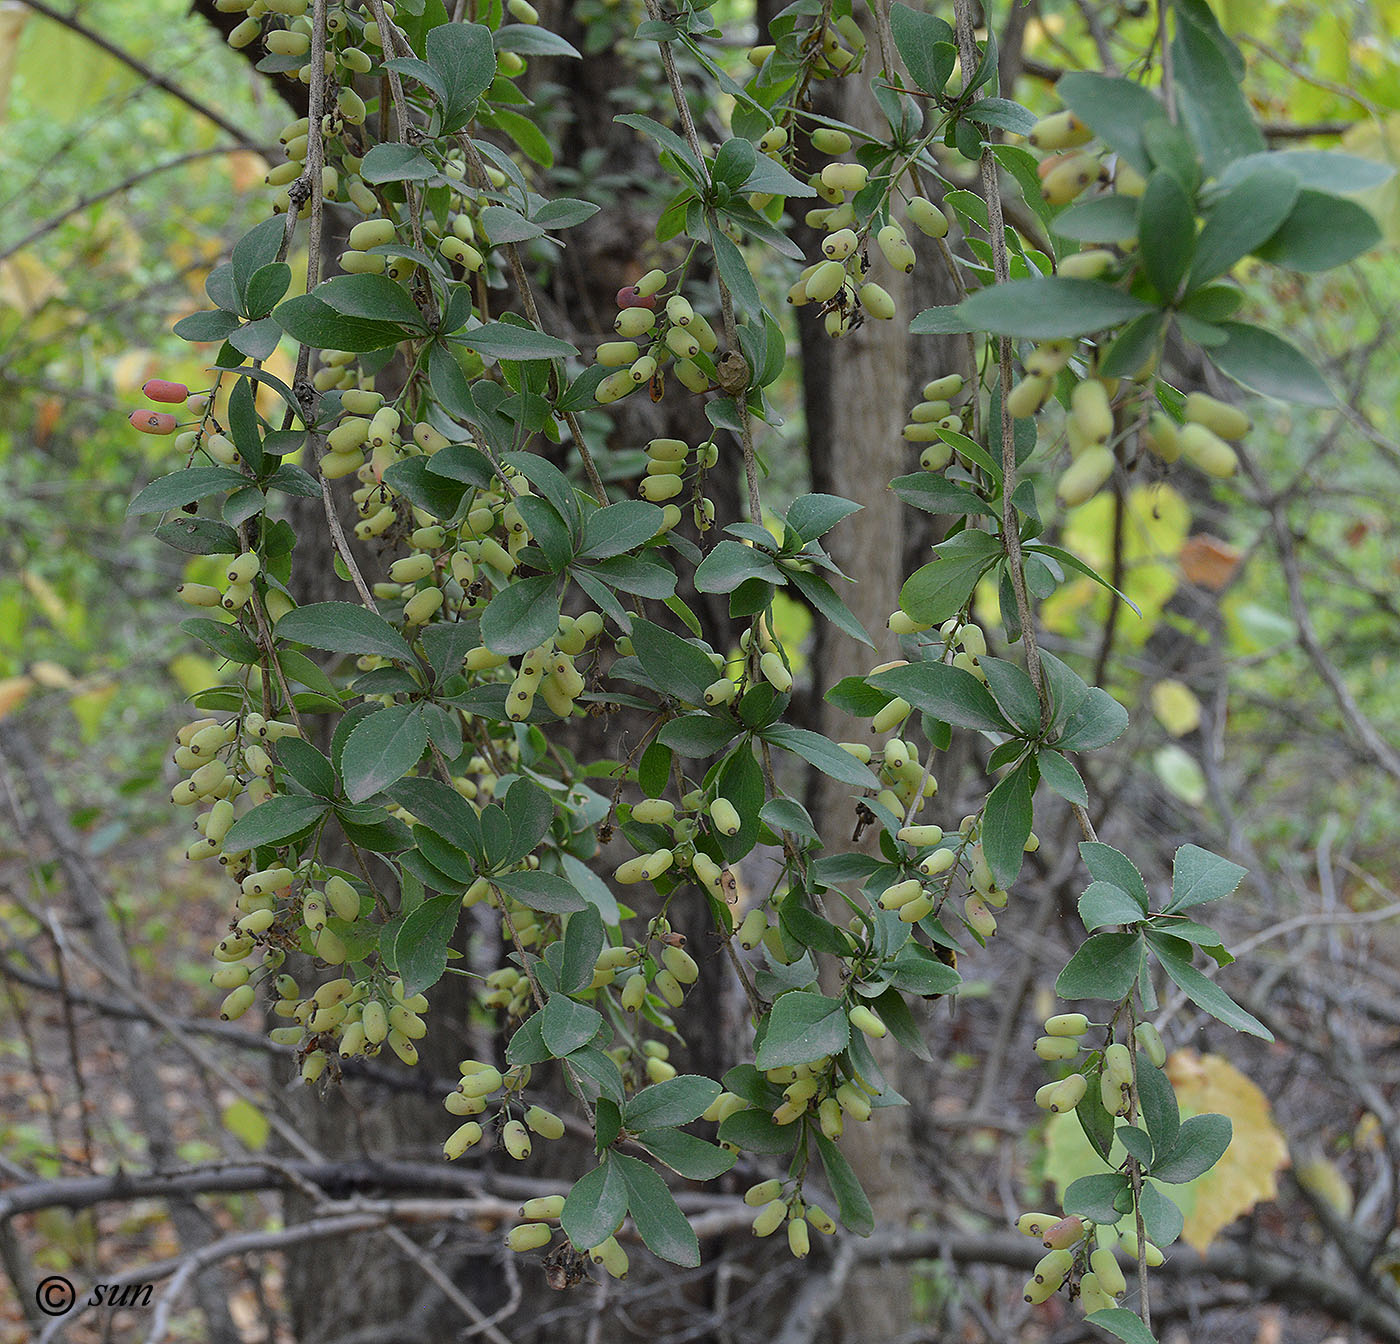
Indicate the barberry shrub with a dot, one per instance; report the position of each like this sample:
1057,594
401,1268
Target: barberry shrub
519,595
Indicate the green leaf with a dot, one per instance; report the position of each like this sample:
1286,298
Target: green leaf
464,58
274,821
184,487
1175,956
308,320
583,941
522,615
1166,232
729,564
802,1027
1101,219
733,163
1200,877
1014,692
595,1207
1122,1324
1094,1120
1325,170
546,892
940,588
925,45
665,138
677,1101
381,750
937,494
687,1155
1158,1102
851,1202
420,949
228,641
1161,1217
210,324
1103,904
618,528
566,1025
307,766
505,340
947,693
265,287
1321,232
1137,1143
1098,720
1105,967
1049,307
396,163
1006,825
1268,364
257,248
813,516
916,970
370,296
698,735
823,597
443,810
821,752
757,1132
734,271
1241,220
1200,1144
1061,776
660,1223
343,627
1094,1197
673,664
1106,864
530,40
1213,106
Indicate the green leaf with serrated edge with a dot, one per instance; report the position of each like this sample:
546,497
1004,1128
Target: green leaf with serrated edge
274,821
1049,307
673,663
420,950
464,58
1200,1144
1093,1197
1094,1120
813,516
1175,956
590,1061
1103,904
698,736
1200,877
787,814
1122,1325
527,1045
658,1219
369,296
530,810
757,1132
257,248
1107,864
1321,231
505,340
915,970
563,213
895,1014
619,528
546,892
729,564
939,589
1098,720
926,45
1266,363
1136,1143
307,320
677,1101
686,1155
566,1025
821,752
810,930
184,487
442,810
1104,967
595,1207
947,693
382,749
1062,777
583,941
396,163
343,627
802,1027
852,1205
1006,824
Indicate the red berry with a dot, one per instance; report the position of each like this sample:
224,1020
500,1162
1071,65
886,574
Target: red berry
160,389
153,422
627,297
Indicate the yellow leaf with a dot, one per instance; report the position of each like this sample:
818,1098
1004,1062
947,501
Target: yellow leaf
193,673
89,707
1324,1180
52,676
1176,707
246,1123
1248,1173
13,691
1181,773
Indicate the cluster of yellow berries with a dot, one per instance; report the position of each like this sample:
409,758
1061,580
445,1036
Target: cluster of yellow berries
1096,1277
1061,1042
536,1230
776,1210
226,760
648,341
475,1088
